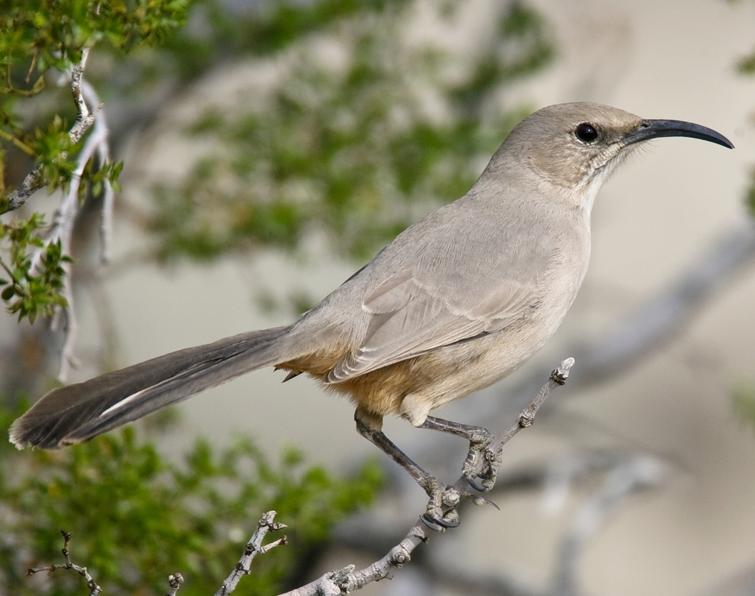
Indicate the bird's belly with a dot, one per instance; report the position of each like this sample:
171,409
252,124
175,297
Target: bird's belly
416,386
476,364
483,362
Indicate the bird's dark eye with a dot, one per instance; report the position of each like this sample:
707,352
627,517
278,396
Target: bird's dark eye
586,132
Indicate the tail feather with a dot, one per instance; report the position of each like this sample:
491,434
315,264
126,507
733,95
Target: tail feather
79,412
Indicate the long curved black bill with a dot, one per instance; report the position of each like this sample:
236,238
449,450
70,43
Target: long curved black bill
653,129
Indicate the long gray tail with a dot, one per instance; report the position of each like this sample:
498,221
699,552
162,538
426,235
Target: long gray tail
79,412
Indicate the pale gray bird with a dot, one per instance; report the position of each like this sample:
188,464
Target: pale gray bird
453,304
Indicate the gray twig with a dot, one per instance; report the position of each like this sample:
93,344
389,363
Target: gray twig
33,181
61,229
253,548
372,535
103,157
739,583
94,588
639,473
558,377
349,579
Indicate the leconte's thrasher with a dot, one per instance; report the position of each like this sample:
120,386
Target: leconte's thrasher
452,304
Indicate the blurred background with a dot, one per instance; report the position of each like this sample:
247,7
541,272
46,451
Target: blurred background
271,148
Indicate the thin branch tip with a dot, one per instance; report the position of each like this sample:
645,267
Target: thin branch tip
175,581
69,565
561,374
253,548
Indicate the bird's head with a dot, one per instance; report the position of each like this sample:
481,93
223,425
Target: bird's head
576,145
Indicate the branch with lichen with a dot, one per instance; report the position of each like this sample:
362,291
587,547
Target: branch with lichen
253,548
85,118
89,115
61,230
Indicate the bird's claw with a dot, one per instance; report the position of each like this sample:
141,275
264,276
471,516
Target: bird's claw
441,511
481,466
480,483
440,523
480,500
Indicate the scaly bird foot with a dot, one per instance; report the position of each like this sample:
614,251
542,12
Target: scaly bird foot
481,465
441,511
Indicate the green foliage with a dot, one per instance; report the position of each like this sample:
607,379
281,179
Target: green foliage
744,403
50,148
351,150
38,36
257,29
136,516
750,196
746,64
30,291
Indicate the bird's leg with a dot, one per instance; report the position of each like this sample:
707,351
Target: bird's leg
481,463
441,508
421,476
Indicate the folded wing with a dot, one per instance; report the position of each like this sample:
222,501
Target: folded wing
410,316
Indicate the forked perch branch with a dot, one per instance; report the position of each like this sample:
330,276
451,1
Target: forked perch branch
33,181
350,579
94,588
253,548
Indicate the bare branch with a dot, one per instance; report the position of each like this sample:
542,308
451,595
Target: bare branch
349,579
253,548
84,118
33,181
65,320
637,474
559,376
103,157
94,588
741,583
62,226
609,468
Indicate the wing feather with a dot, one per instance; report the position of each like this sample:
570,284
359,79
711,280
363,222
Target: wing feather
409,317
